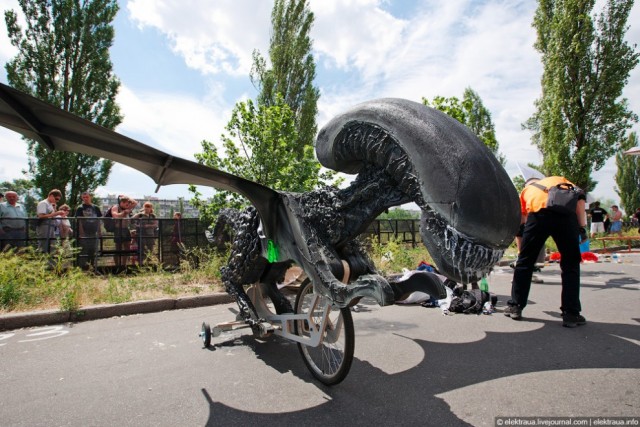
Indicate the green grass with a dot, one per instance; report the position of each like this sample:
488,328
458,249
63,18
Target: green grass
597,245
394,256
32,281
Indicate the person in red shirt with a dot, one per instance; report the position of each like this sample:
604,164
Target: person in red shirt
537,224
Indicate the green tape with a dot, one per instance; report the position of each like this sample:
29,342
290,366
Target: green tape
272,251
484,284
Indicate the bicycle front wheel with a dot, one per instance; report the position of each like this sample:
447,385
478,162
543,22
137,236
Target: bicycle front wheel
331,360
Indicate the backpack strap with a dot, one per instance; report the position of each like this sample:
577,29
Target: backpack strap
541,187
562,185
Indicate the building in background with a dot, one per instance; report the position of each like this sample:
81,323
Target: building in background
163,208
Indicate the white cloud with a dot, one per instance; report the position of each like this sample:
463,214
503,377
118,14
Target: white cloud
440,48
444,48
212,37
14,155
173,123
355,33
14,150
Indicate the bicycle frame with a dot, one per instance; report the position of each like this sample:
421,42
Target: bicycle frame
284,324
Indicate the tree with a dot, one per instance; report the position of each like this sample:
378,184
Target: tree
63,59
472,113
260,147
292,69
271,141
580,118
518,182
399,213
628,176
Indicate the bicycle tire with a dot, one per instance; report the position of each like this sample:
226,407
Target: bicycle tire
331,360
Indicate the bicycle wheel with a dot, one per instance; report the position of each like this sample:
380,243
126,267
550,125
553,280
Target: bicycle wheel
331,360
205,334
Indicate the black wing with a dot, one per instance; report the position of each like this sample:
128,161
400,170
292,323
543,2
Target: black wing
60,130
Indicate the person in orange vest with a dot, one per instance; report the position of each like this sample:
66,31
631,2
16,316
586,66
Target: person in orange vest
538,222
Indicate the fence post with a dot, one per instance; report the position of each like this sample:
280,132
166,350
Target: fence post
413,233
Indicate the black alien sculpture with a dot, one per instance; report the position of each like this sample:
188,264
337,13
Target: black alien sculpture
401,151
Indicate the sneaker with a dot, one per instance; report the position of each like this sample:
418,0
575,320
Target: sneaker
573,320
513,311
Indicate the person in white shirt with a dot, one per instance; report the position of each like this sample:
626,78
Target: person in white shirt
13,222
47,211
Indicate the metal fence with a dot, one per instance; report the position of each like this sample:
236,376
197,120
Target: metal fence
122,243
408,230
400,230
108,243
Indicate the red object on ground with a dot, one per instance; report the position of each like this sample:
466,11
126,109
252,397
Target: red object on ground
586,256
589,256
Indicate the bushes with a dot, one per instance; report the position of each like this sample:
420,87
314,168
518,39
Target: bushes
394,256
30,280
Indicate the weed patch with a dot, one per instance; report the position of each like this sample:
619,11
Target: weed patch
30,280
394,256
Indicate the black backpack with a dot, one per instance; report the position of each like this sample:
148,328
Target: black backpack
562,198
468,302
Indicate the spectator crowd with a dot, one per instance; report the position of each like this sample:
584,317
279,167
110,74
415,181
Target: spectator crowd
135,233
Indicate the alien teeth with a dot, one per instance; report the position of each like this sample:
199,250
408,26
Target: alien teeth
468,259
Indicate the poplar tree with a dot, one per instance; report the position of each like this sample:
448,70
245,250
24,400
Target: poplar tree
581,117
293,68
271,140
63,59
472,113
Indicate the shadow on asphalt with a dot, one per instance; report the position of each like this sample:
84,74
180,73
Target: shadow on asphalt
369,395
610,280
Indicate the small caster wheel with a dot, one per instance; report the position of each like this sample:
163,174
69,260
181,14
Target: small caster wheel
205,333
216,331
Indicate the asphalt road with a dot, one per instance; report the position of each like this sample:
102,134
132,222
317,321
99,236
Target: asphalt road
413,366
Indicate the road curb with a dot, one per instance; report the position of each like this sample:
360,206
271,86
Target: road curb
52,317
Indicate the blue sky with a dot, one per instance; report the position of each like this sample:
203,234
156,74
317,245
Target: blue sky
184,64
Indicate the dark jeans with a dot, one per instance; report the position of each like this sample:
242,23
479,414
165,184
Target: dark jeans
564,231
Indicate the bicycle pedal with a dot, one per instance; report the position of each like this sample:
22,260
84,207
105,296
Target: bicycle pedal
262,329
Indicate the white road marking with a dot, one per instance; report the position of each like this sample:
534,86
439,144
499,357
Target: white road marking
46,333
